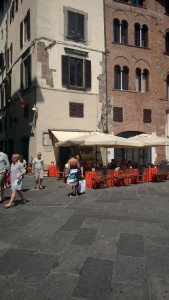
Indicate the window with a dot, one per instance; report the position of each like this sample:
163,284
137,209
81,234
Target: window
26,73
147,115
120,31
137,2
121,77
11,53
167,43
117,114
16,5
25,30
167,87
1,61
76,110
167,7
76,72
12,12
75,26
141,35
142,84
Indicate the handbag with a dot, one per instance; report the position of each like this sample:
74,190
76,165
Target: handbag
82,186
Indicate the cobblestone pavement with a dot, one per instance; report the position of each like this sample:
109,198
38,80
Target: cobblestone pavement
106,244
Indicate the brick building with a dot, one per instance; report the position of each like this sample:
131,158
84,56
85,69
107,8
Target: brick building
137,44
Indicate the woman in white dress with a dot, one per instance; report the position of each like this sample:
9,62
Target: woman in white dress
17,175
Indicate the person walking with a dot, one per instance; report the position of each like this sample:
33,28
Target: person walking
4,170
73,166
17,175
37,169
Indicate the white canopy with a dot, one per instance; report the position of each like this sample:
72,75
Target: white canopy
100,139
150,140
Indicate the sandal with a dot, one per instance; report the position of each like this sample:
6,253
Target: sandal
40,187
8,206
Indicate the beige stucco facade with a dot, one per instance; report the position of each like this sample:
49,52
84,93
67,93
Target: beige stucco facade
47,44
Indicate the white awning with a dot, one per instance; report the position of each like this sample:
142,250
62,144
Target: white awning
65,135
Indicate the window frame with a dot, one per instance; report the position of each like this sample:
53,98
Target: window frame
75,38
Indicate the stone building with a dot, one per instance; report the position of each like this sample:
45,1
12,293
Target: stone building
137,45
51,56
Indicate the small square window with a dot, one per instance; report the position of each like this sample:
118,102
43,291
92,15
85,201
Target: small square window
117,114
147,115
76,110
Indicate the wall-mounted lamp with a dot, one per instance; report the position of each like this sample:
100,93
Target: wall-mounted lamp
35,109
108,107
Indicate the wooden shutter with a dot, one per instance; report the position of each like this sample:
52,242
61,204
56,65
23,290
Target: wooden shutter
21,75
29,58
76,110
71,24
21,35
28,25
80,26
65,70
117,114
147,115
88,74
1,60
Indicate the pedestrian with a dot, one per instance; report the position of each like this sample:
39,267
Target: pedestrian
22,161
4,170
37,169
17,176
73,166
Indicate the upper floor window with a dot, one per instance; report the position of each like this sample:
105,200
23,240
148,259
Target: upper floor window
120,31
25,29
167,7
121,77
76,72
117,114
142,83
141,35
26,73
75,26
167,43
147,115
76,110
167,87
137,2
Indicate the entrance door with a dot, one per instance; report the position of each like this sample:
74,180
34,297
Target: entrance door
65,153
25,148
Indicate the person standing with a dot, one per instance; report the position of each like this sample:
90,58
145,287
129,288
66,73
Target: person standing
4,170
37,169
17,175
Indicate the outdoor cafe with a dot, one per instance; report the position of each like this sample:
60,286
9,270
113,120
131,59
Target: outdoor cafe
92,146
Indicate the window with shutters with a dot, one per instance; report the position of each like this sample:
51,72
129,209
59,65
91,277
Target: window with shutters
76,72
147,115
120,31
25,30
117,114
141,35
142,80
26,73
75,25
121,77
76,110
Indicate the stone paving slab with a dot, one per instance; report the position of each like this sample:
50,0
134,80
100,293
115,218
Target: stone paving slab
108,244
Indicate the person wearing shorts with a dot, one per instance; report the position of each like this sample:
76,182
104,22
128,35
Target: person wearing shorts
37,170
4,169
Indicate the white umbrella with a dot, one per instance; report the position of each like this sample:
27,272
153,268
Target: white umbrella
100,139
150,140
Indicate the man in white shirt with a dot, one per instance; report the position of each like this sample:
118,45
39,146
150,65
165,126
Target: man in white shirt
37,169
4,170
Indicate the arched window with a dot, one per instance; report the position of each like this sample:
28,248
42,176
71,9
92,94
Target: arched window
144,36
124,32
116,30
138,80
117,77
167,87
120,31
121,77
141,35
142,80
167,43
